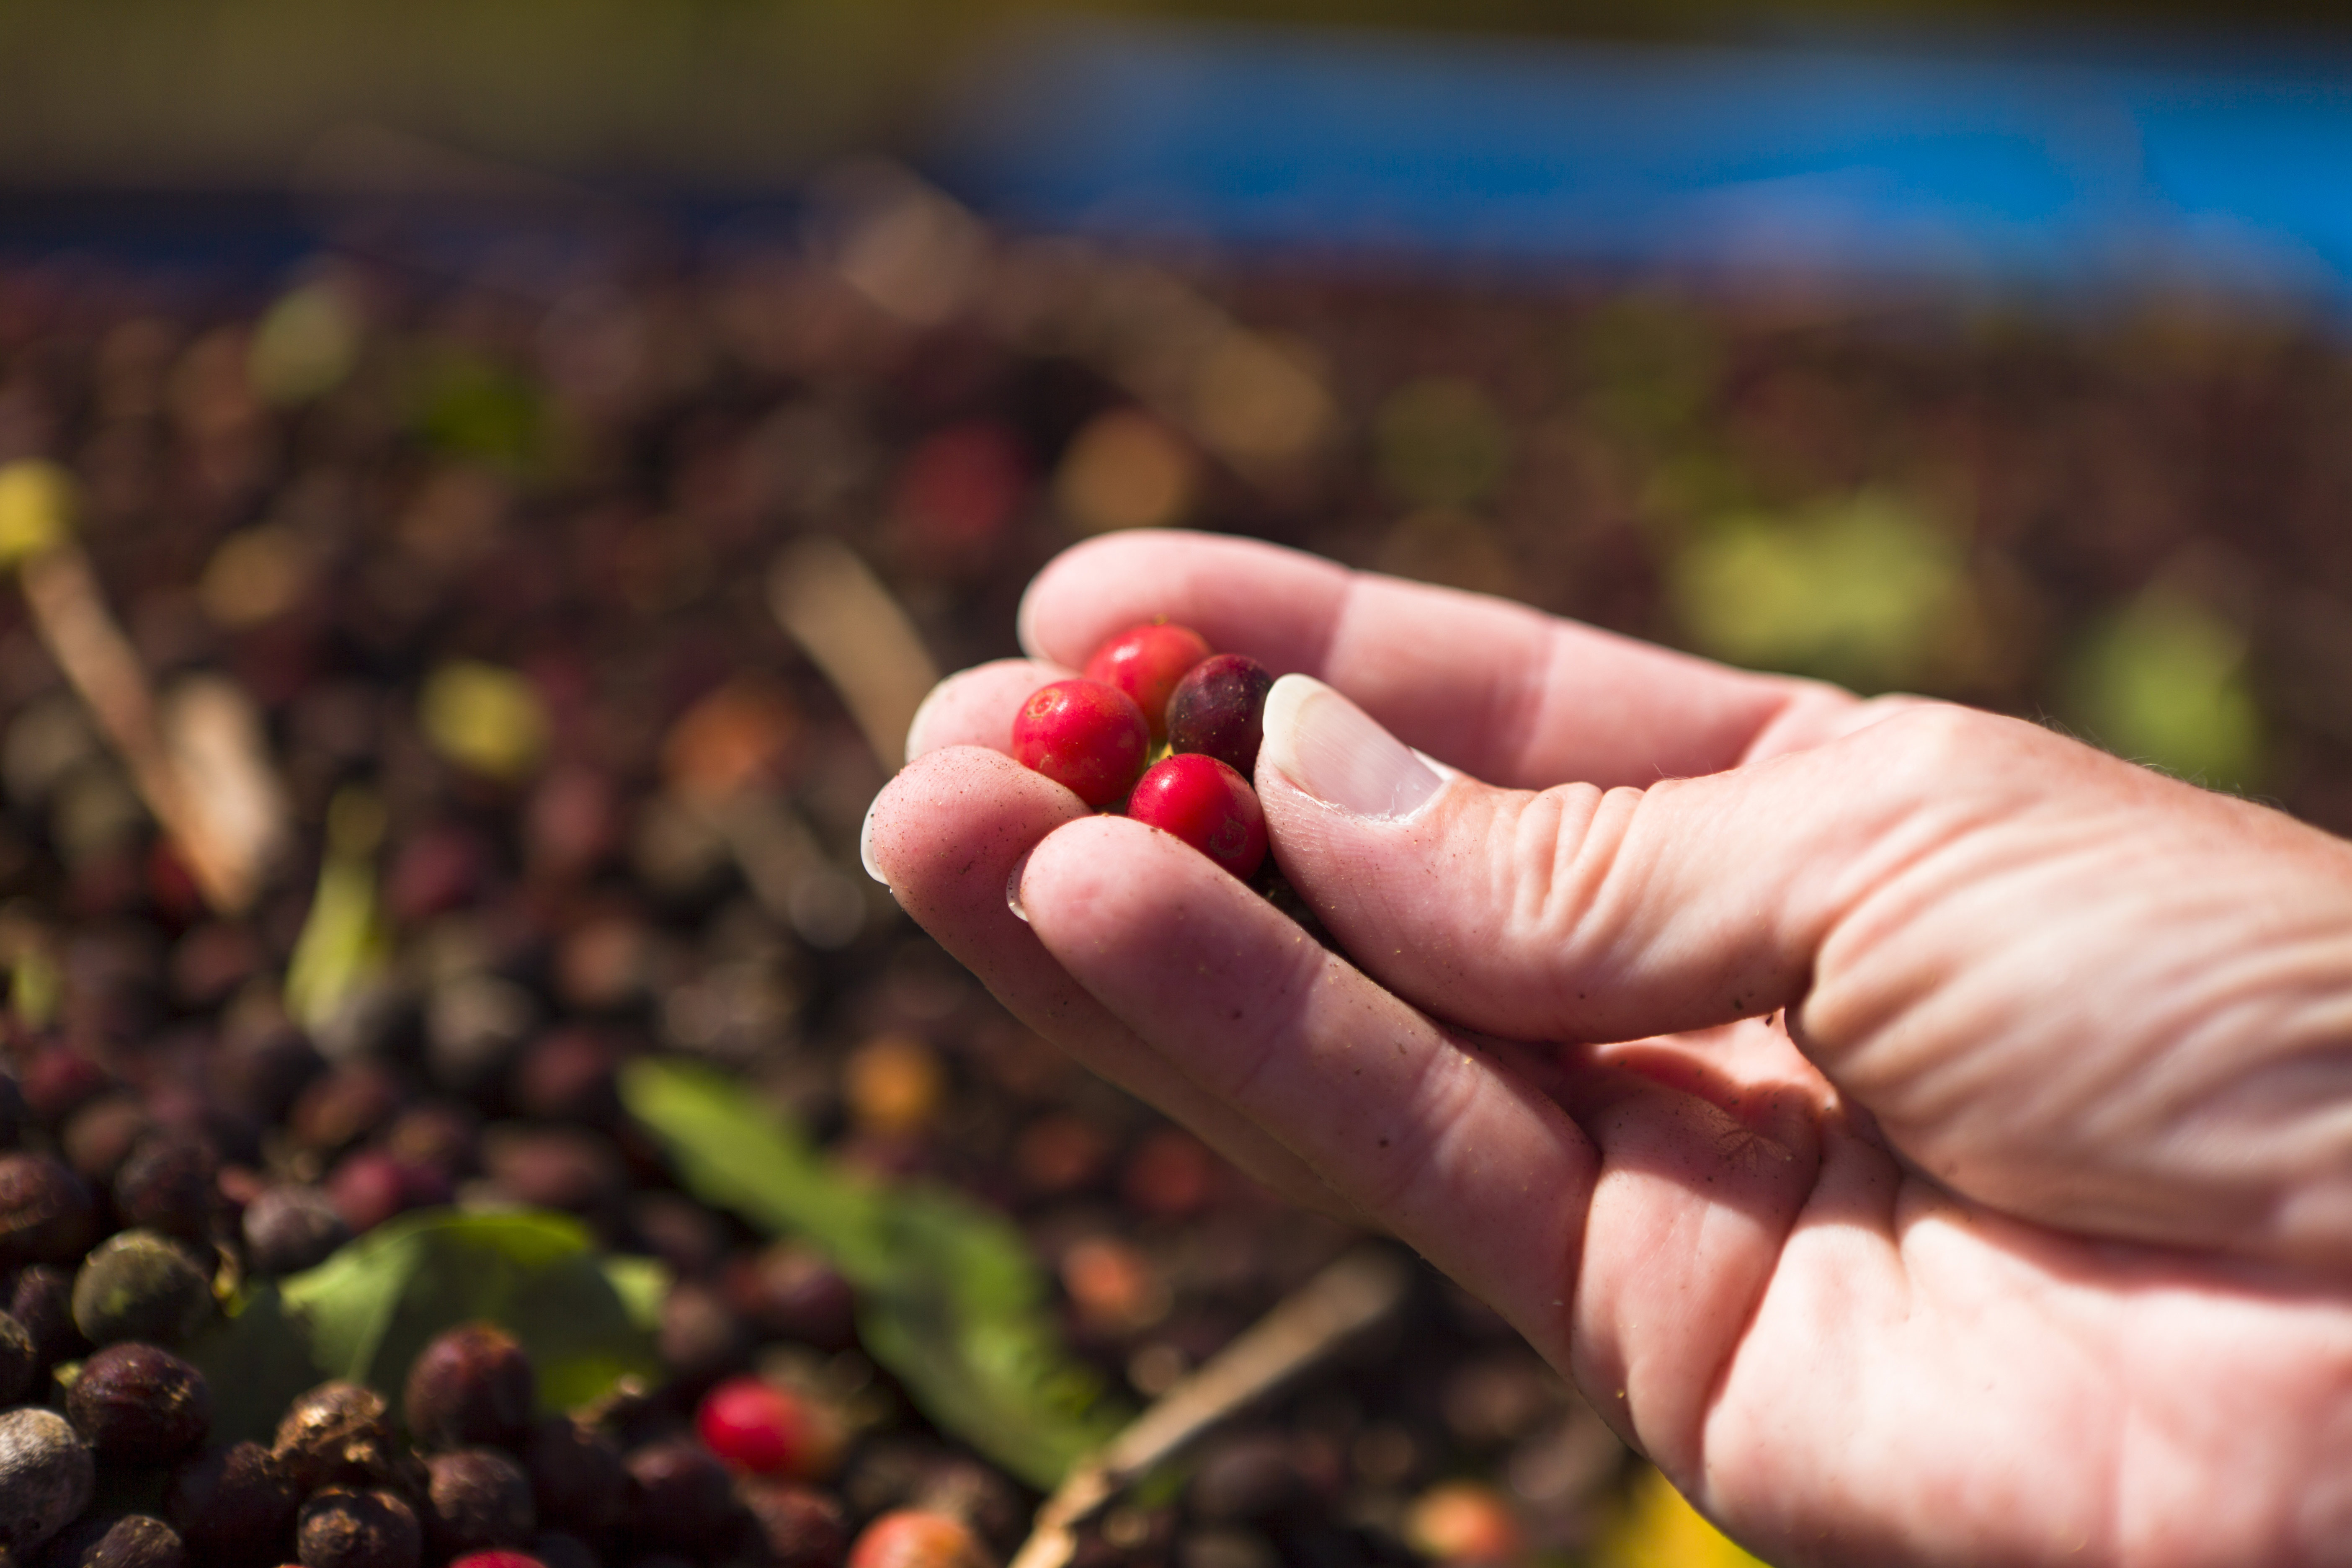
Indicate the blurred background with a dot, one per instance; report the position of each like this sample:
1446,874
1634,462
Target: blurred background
1976,347
584,428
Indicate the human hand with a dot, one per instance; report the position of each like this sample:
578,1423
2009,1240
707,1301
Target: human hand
1924,1136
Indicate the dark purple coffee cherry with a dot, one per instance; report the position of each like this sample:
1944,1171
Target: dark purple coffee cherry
435,868
1219,710
291,1228
338,1433
342,1528
438,1135
98,1138
700,1339
1247,1478
59,1081
788,1291
344,1105
41,1299
47,1215
370,1186
795,1526
689,1239
170,1185
574,1169
260,1070
681,1497
478,1499
471,1385
141,1286
126,1541
235,1505
569,1074
47,1477
139,1404
577,1482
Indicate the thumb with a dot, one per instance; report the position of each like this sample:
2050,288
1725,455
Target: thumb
2062,984
1583,913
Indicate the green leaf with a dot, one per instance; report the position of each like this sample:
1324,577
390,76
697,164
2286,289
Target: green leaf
949,1298
255,1361
343,942
1859,590
2164,681
642,1284
366,1312
468,405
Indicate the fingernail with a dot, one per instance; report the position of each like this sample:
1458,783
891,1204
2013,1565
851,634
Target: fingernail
1012,888
866,843
1330,748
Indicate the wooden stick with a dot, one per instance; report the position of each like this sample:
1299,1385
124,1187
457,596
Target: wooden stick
853,631
1342,1301
228,832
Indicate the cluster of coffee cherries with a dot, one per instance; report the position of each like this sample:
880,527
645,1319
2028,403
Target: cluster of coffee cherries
1159,722
472,1475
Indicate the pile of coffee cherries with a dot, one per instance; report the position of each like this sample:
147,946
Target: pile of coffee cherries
1159,727
471,1475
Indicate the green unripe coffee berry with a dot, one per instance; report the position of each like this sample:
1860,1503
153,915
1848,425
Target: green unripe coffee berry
141,1286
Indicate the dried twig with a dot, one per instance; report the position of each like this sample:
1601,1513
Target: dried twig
1331,1308
197,763
850,626
231,800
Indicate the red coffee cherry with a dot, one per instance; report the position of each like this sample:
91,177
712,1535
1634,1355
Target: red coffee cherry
1083,734
756,1427
1145,662
1207,805
1219,709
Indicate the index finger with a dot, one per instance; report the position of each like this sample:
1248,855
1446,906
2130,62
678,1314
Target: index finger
1515,697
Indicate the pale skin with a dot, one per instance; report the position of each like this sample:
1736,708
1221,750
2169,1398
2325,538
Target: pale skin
1928,1138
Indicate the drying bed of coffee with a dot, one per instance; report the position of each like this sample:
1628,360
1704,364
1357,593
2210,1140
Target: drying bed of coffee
559,999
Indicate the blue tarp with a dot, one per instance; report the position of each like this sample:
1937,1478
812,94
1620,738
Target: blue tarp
2053,168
